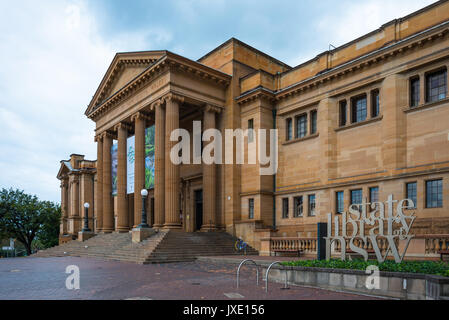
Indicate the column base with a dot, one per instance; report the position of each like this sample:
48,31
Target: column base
172,226
208,227
85,235
140,234
107,230
122,229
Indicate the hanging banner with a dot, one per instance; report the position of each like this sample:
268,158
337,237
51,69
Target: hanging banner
114,162
130,154
149,157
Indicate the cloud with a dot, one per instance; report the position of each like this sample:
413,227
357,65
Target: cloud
54,59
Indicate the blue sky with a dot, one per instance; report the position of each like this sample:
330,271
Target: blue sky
54,53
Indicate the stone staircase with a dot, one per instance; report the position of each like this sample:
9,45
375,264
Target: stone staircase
163,247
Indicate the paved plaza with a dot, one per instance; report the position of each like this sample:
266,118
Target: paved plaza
45,278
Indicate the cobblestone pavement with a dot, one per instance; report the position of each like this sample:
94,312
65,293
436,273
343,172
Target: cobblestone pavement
44,278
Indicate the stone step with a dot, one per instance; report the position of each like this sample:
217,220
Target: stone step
162,247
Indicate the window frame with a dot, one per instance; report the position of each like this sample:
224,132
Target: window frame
415,201
375,103
429,74
337,193
439,205
311,212
412,102
295,213
343,106
250,130
298,125
251,206
285,208
351,202
289,129
313,121
354,108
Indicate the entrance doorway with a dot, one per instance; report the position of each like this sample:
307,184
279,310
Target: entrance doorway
198,209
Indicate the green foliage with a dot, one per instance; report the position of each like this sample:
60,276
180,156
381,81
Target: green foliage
427,267
25,218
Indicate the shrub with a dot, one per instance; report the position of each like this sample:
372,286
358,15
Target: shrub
426,267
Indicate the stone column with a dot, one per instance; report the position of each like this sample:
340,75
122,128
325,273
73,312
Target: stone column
122,204
209,179
99,191
139,164
108,215
159,174
172,219
64,206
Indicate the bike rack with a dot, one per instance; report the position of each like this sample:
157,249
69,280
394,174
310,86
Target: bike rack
266,276
242,263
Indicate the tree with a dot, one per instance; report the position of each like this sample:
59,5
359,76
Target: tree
24,217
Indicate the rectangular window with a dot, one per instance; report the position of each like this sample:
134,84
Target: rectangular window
289,129
250,130
313,121
343,113
359,109
298,209
356,196
251,209
414,92
374,194
301,126
434,194
375,103
312,205
340,205
436,86
411,193
285,208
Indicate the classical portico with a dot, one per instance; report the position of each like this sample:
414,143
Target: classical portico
170,92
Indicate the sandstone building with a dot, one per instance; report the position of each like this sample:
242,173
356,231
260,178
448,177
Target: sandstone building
362,121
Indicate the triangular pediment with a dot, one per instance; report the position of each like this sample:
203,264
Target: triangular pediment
123,69
64,169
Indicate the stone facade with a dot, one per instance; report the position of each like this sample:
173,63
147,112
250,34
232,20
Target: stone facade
395,132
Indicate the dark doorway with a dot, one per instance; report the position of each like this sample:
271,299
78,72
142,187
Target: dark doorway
198,209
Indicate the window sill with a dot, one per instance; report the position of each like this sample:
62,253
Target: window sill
358,124
426,105
301,139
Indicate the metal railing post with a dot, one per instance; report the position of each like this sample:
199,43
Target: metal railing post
240,265
266,276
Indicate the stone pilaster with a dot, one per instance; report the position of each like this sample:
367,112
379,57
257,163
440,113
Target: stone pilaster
99,184
139,120
122,204
209,179
172,218
394,126
108,215
159,174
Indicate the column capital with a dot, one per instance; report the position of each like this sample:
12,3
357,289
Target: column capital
211,108
98,138
140,115
122,125
156,104
173,97
106,134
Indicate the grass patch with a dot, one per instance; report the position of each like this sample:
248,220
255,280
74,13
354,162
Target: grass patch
427,267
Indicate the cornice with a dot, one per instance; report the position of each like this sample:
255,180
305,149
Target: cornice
381,55
169,63
257,93
373,58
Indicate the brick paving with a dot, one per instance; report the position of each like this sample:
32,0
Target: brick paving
44,278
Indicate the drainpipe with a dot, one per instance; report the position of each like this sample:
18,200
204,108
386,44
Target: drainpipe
274,177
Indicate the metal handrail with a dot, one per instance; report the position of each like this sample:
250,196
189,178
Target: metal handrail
266,276
240,265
